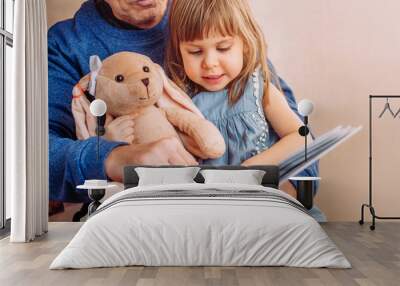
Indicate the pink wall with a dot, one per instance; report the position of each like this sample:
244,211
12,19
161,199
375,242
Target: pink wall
336,53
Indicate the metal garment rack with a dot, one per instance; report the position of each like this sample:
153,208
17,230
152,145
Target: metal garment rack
370,205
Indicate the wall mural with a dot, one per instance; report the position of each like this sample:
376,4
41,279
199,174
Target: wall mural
165,83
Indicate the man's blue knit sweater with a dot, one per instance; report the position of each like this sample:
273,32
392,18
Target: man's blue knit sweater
70,45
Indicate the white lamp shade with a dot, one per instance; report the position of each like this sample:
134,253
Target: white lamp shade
98,107
305,107
96,185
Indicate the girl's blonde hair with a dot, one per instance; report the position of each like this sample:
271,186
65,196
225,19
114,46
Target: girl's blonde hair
196,19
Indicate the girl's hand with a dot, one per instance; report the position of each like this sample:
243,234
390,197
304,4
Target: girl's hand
120,129
288,188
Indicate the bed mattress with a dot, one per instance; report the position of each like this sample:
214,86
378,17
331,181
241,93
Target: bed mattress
201,225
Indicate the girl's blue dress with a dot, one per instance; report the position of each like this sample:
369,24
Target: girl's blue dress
243,125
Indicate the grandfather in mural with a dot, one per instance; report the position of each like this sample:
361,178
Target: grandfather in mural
103,28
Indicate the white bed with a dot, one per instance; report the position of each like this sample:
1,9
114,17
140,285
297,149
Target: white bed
200,224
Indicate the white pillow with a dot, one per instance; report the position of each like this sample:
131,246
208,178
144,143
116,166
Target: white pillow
164,176
249,177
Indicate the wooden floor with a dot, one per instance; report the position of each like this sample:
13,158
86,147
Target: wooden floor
374,255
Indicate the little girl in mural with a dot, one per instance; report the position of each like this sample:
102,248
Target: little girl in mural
217,53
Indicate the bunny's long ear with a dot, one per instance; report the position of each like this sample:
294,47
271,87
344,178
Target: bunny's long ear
173,96
95,66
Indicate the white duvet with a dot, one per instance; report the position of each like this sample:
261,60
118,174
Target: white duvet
221,225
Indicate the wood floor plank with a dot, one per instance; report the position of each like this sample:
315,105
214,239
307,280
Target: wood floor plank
374,255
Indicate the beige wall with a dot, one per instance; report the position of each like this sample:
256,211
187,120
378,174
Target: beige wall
335,53
58,10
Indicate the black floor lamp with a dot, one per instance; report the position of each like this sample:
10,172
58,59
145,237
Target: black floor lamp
305,108
305,190
96,189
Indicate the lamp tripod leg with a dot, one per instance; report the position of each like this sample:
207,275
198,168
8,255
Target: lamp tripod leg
361,221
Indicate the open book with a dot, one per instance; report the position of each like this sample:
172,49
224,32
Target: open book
315,150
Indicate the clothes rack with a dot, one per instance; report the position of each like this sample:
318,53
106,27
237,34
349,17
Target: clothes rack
370,202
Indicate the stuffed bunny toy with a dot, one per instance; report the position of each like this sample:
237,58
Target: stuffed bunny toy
131,84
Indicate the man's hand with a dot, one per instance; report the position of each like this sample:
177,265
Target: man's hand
167,151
